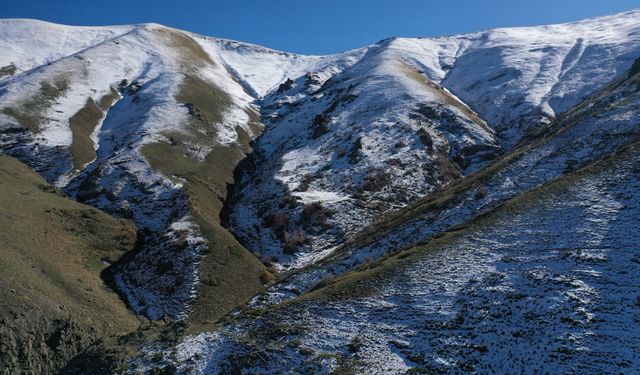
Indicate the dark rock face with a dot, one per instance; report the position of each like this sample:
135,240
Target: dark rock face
635,69
287,85
36,343
320,126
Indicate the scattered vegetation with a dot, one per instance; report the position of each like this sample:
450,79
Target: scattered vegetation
8,70
320,125
376,181
291,242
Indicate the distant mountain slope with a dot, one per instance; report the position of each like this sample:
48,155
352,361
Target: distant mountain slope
28,44
518,78
52,251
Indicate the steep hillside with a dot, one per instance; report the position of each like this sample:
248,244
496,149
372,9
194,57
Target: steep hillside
545,283
411,116
149,122
520,78
52,251
521,260
29,44
373,138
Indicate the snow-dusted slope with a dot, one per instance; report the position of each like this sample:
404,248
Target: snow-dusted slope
27,44
516,286
546,284
92,113
517,77
261,69
137,120
375,137
149,123
596,128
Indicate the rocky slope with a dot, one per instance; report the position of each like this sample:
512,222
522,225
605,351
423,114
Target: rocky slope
595,128
408,118
545,283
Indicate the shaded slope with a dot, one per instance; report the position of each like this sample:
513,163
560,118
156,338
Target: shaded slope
348,139
52,251
146,154
406,119
370,139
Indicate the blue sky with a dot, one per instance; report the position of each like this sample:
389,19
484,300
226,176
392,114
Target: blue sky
316,26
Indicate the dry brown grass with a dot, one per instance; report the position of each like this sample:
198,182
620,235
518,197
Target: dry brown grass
190,51
83,123
444,96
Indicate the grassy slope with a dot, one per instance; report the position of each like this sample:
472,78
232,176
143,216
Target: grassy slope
83,123
52,250
230,274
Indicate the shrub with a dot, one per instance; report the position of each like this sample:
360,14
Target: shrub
355,345
376,181
268,277
277,220
313,212
320,125
356,151
425,138
292,241
306,181
480,193
400,144
288,200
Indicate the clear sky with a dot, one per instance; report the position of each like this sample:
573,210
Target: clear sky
316,26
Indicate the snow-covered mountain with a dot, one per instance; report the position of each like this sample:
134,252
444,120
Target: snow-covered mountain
238,163
529,265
